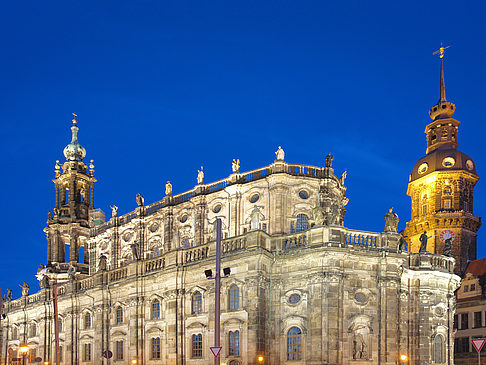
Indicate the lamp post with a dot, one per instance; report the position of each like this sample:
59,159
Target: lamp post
24,349
403,358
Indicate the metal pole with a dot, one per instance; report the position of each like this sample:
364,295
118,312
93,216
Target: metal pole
56,322
217,310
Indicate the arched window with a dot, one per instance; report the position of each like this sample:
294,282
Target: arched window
155,312
234,343
33,330
302,223
156,348
59,325
438,348
186,243
294,343
424,204
119,315
197,303
197,346
234,297
15,333
87,321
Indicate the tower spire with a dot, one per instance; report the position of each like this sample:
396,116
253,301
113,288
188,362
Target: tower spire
442,96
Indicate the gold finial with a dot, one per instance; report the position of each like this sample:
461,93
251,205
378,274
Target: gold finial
441,50
74,119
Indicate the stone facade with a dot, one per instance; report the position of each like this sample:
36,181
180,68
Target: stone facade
303,289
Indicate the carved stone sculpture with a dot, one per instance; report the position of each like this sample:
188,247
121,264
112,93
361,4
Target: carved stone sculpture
9,294
329,159
200,176
114,210
391,221
140,200
448,247
168,188
71,273
25,289
423,242
102,263
280,154
235,166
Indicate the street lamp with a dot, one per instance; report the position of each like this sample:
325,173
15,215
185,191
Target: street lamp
133,362
260,359
403,357
24,349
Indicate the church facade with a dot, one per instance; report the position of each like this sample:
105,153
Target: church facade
301,287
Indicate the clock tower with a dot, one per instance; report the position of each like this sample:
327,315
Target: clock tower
441,188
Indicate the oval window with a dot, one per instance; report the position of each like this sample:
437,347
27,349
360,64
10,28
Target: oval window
217,208
423,168
294,298
360,297
183,219
470,165
254,198
448,162
303,194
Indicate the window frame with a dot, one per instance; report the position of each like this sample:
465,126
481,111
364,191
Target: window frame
155,348
196,346
196,302
119,315
294,344
234,297
234,343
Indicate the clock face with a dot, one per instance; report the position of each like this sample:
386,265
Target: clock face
423,168
445,234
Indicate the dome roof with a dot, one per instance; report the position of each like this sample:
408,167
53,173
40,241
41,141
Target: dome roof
74,151
443,160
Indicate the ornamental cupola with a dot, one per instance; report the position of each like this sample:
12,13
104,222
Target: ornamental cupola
74,151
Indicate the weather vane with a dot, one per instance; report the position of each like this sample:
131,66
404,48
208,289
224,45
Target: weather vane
441,50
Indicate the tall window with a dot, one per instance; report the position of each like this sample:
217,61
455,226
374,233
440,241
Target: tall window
87,321
294,343
60,354
156,348
15,333
155,311
477,319
234,343
446,204
59,325
234,297
464,321
197,303
197,346
119,315
438,349
186,243
302,223
33,330
87,352
119,350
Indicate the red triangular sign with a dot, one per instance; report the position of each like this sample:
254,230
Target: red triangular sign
478,343
215,350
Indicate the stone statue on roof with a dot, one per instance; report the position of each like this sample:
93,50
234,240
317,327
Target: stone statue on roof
140,200
114,210
329,159
391,221
200,176
168,188
25,289
280,154
235,166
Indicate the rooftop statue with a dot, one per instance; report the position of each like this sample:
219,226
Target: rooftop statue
200,176
391,221
235,166
25,289
114,210
140,200
168,188
329,159
423,242
280,154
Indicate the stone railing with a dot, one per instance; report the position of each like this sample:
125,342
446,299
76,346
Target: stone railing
428,261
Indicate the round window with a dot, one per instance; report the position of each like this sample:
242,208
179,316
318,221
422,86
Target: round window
303,194
183,219
423,168
470,165
360,297
294,298
217,208
154,227
448,162
254,198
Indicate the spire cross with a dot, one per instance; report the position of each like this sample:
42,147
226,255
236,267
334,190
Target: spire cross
74,119
441,50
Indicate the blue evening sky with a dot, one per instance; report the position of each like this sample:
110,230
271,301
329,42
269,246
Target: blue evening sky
163,87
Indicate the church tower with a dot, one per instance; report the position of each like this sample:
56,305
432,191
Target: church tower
69,224
441,188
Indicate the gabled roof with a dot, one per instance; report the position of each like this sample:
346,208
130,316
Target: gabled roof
476,267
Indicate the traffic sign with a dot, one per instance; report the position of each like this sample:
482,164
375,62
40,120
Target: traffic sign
107,354
478,343
215,350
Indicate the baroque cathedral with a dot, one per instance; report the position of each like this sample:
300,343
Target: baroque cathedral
300,287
